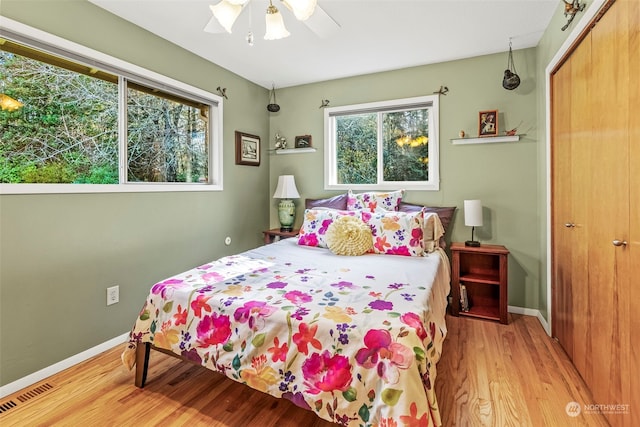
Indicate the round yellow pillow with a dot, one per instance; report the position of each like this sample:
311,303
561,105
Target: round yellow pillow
349,235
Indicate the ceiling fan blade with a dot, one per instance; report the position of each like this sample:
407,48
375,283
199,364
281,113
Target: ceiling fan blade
322,24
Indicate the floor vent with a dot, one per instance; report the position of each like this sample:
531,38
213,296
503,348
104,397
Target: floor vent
34,392
5,406
24,397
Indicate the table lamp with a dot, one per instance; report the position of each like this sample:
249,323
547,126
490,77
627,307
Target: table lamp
286,190
472,218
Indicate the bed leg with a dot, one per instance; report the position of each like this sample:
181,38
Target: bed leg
142,363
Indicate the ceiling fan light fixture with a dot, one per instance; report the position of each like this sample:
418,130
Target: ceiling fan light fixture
226,12
302,9
275,24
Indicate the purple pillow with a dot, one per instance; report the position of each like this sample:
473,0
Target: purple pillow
336,202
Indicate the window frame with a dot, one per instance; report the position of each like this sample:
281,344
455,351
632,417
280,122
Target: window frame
24,34
330,150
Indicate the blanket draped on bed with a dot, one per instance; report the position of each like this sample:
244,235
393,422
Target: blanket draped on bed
354,339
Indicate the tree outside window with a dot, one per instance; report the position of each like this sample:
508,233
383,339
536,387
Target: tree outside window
383,145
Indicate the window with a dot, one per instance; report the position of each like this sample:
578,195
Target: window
383,145
108,124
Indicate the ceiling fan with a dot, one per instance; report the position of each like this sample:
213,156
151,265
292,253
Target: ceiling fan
314,17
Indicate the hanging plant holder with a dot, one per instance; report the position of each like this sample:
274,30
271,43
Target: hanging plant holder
273,105
511,80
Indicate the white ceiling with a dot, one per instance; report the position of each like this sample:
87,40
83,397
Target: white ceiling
370,35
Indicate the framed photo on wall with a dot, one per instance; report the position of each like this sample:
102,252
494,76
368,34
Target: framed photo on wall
247,149
303,141
488,123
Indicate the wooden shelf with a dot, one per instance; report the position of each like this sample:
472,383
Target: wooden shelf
486,139
294,150
489,279
488,312
483,272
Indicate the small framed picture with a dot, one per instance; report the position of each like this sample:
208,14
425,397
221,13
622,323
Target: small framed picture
488,123
303,141
247,149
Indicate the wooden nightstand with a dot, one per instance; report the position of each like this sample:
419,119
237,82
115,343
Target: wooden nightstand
270,235
483,272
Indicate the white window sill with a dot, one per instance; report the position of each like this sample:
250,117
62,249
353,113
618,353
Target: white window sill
103,188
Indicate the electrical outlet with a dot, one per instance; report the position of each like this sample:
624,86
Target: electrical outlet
113,295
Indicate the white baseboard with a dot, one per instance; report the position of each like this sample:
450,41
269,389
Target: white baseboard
531,312
24,382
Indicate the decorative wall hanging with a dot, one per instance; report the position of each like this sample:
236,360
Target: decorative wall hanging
488,123
571,8
303,141
247,149
222,91
324,103
273,105
511,80
442,91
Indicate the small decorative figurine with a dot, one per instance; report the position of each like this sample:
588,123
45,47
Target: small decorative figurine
571,8
281,142
513,131
461,134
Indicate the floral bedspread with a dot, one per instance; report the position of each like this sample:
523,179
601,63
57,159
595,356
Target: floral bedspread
354,339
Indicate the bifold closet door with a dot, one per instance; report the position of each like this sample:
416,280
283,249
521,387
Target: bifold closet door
595,151
608,309
571,192
561,209
633,326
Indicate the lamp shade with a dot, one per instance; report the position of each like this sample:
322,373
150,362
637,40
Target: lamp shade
472,213
226,13
286,188
302,9
275,24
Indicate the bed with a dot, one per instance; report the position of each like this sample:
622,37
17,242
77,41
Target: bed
354,339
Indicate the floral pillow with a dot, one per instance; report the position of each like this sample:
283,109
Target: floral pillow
373,202
396,233
315,225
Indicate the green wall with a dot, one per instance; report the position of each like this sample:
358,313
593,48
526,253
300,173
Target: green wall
59,252
509,178
503,175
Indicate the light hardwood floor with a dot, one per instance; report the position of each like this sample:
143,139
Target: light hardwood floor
489,375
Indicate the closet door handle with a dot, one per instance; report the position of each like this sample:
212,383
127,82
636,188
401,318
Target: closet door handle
569,225
619,242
